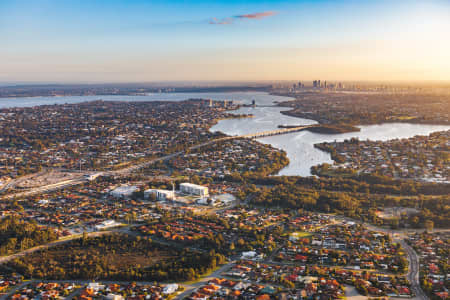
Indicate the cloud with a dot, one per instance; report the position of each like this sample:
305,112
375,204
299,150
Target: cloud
226,21
257,15
254,16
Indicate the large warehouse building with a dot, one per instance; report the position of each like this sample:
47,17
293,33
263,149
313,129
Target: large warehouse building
161,195
194,189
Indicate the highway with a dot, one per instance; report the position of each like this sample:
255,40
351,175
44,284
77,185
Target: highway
128,170
413,259
46,188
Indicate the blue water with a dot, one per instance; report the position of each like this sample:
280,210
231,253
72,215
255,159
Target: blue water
299,146
263,98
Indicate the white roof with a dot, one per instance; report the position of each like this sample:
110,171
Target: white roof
125,189
249,254
193,185
167,192
170,288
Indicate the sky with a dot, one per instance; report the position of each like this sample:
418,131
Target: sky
153,40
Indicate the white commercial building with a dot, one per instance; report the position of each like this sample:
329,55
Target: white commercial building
194,189
106,224
161,195
95,286
170,289
114,297
123,191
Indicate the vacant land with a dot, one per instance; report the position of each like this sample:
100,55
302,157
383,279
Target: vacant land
44,178
114,257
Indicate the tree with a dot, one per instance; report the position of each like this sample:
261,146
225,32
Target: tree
232,247
84,238
394,223
429,225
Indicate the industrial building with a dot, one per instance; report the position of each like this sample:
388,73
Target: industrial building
123,191
194,189
161,195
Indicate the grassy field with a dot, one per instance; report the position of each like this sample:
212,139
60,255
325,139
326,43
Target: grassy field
300,234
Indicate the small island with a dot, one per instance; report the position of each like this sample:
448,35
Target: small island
326,128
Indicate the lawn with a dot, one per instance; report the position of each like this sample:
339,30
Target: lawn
300,234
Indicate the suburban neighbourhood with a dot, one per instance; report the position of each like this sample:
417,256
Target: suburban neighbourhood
134,200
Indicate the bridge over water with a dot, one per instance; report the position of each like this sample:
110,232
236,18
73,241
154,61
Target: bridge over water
82,179
274,132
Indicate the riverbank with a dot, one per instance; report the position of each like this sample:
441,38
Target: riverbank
354,108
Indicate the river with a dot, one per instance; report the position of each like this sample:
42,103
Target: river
35,101
299,146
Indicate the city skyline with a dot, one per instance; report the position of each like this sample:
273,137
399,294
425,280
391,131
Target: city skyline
142,41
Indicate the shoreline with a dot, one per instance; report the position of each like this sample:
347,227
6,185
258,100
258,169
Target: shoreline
292,113
326,128
409,121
